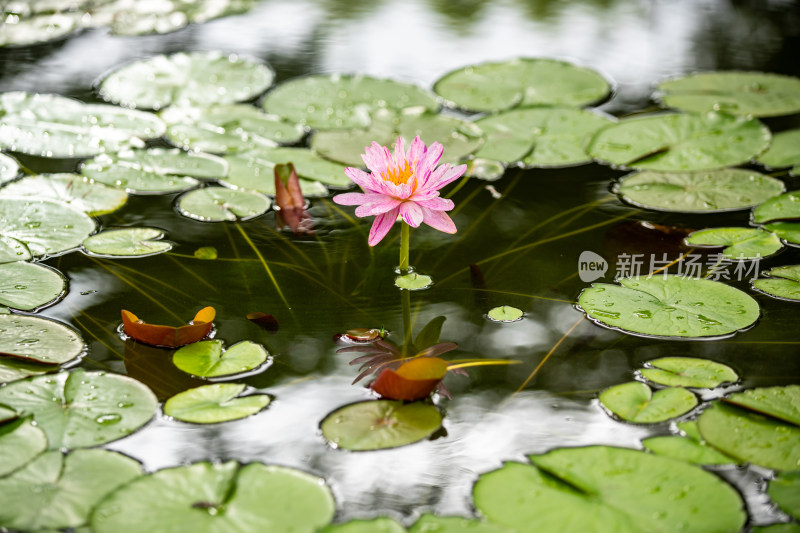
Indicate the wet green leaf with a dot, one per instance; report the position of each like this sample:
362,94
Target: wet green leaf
206,497
429,523
485,169
80,409
686,449
45,227
376,525
206,252
193,78
78,191
39,339
521,82
39,28
413,281
688,372
210,404
217,204
680,142
785,491
380,424
727,189
789,232
791,527
779,402
20,443
739,243
738,93
13,368
784,282
13,250
127,242
636,402
669,306
206,358
505,313
7,414
783,151
785,206
28,286
9,168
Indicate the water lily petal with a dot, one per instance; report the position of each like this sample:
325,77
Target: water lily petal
436,204
382,224
415,152
400,153
377,158
350,198
381,204
411,213
438,220
449,175
360,178
429,161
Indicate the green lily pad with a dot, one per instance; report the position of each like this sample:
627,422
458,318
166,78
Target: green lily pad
521,82
206,497
783,151
679,142
80,409
193,78
343,102
20,443
13,368
791,527
785,491
413,281
40,340
429,523
80,192
779,402
485,169
740,243
710,191
505,313
686,449
7,414
59,491
127,242
636,402
45,227
738,93
377,525
784,283
785,206
227,128
50,125
210,404
154,171
28,286
601,488
380,424
751,437
9,168
39,28
688,372
669,306
789,232
206,358
217,204
207,253
540,136
13,250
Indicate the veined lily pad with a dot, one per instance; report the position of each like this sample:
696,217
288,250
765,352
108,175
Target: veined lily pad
227,128
80,409
636,402
14,368
206,497
377,525
413,281
194,78
429,523
785,491
154,171
738,93
39,28
28,286
80,192
779,402
9,168
45,227
54,126
707,191
691,448
380,424
206,358
127,242
540,136
680,142
783,151
505,313
343,102
20,442
669,306
688,372
789,232
12,250
740,243
600,488
58,491
784,283
216,204
210,404
785,206
40,340
521,82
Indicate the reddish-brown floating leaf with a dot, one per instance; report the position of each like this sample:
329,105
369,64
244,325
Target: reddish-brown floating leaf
290,201
413,380
169,336
362,334
264,321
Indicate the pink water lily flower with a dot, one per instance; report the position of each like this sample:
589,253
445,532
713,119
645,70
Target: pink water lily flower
405,184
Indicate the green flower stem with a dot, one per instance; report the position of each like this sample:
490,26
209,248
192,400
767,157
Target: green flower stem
405,232
406,296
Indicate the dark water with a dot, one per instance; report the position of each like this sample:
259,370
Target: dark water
526,245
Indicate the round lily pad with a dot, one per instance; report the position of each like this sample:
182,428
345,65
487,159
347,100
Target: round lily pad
521,82
193,78
227,128
669,306
45,227
600,488
206,497
680,142
377,525
9,168
636,402
738,93
380,424
779,402
206,358
784,283
13,368
783,151
80,192
688,372
709,191
28,286
540,136
154,171
210,404
50,125
20,442
13,250
429,523
80,409
40,340
343,102
785,206
785,491
789,232
485,169
740,243
127,242
57,491
217,204
413,281
686,449
505,313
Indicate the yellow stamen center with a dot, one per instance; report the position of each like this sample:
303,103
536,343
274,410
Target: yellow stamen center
399,175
